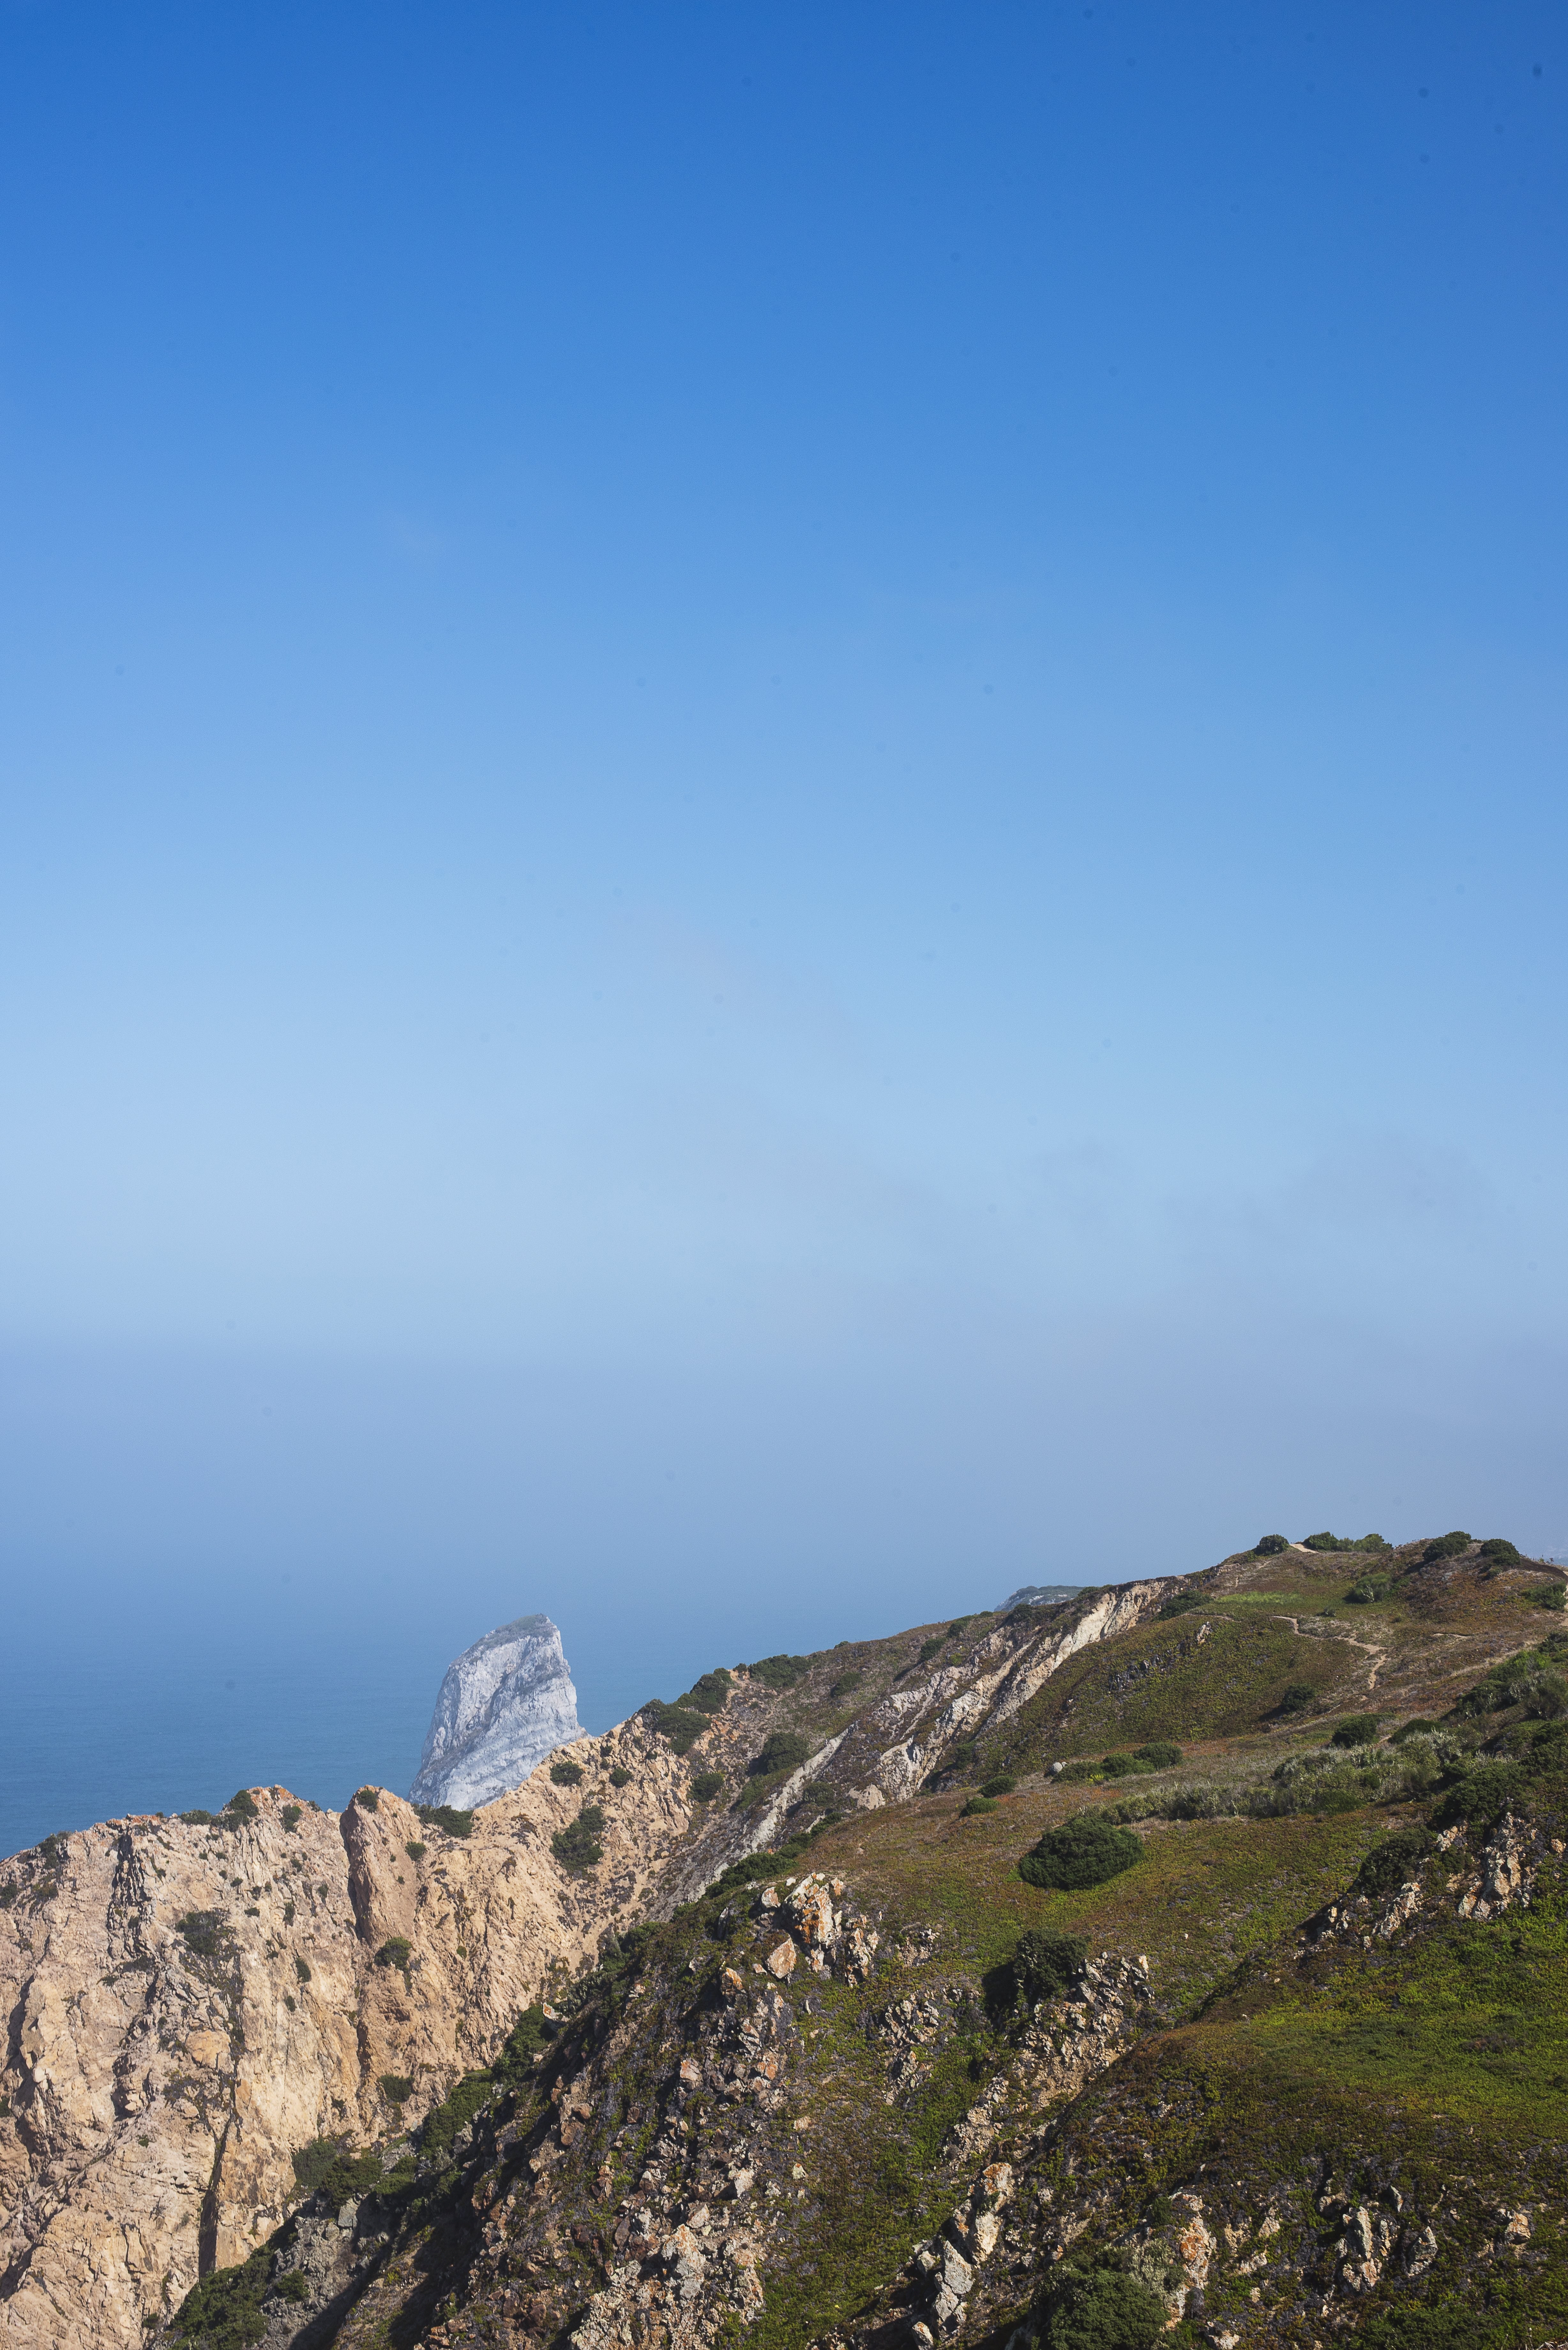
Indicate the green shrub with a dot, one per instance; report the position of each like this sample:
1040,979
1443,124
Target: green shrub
976,1804
1075,1773
678,1724
203,1932
1182,1604
396,2087
1123,1766
454,2112
1083,1851
1325,1541
244,1805
292,1814
1393,1863
780,1672
294,2286
1551,1595
1000,1782
1270,1547
301,1971
706,1785
620,1776
578,1847
959,1627
848,1681
783,1749
441,1815
397,1950
1480,1797
1355,1730
1425,2325
711,1693
566,1774
1102,2309
1158,1753
223,2311
1418,1727
1445,1546
932,1648
1295,1697
1371,1542
527,2037
1045,1964
416,1851
327,2167
1501,1552
369,1799
200,1819
1369,1590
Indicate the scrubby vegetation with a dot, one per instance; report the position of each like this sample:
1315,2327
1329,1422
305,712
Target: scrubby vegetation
680,1724
1088,1849
706,1785
566,1774
369,1799
780,1672
620,1776
451,1823
782,1750
711,1693
578,1847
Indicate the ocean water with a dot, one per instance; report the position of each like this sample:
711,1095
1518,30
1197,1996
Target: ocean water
113,1711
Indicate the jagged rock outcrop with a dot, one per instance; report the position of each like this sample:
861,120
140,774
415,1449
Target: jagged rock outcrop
506,1703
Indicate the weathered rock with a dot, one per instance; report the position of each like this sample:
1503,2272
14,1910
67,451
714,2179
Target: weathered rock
506,1703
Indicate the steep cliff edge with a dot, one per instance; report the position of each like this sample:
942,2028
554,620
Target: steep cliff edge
506,1703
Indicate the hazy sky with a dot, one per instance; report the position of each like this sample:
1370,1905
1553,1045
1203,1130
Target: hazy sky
783,801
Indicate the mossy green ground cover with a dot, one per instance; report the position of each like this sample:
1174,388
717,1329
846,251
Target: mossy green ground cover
1164,1681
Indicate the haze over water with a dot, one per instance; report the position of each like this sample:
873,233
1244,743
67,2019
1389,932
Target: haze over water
783,835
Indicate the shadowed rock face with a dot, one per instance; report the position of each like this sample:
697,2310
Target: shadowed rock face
506,1703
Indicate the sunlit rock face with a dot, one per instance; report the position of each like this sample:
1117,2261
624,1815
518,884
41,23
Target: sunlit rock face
506,1703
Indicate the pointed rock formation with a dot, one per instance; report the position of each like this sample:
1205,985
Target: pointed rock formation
506,1703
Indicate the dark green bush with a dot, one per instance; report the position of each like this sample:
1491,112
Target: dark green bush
959,1627
1124,1766
1415,1728
1102,2309
1369,1590
456,2110
1482,1797
327,2167
1296,1697
780,1672
711,1693
1325,1541
369,1799
396,2087
1182,1604
1551,1595
578,1847
203,1932
1393,1863
1371,1542
302,1972
932,1648
566,1774
1501,1552
224,2311
1158,1753
244,1805
1355,1730
1000,1782
416,1851
678,1724
291,1815
976,1804
706,1785
441,1815
1045,1964
1445,1546
784,1750
1085,1850
200,1819
1426,2325
398,1951
848,1681
620,1776
527,2037
1270,1547
293,2285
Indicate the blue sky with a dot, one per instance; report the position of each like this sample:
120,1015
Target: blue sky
783,813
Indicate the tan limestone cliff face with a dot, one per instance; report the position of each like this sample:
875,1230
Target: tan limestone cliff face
159,2081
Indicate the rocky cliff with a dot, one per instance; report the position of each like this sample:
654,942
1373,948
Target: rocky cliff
775,2099
506,1703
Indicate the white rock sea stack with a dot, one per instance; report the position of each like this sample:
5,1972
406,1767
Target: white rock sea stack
506,1703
